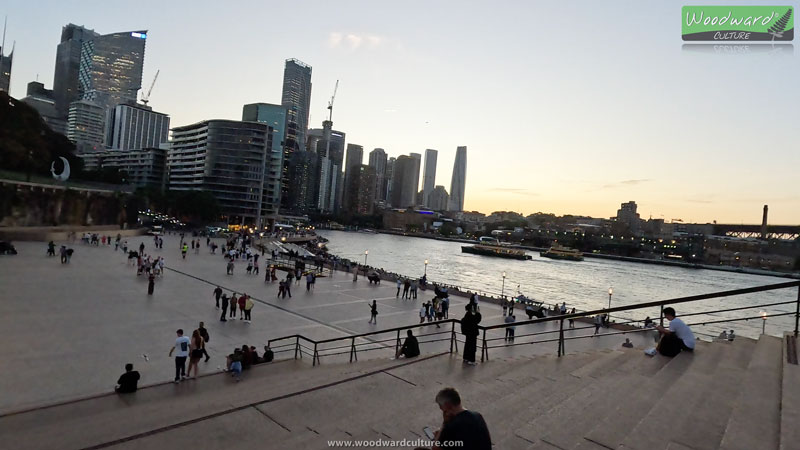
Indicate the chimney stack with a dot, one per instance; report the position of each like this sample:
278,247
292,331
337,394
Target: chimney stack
764,223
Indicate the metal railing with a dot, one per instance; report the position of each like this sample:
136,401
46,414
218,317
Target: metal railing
369,341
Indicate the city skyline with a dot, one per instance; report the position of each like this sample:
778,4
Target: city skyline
589,125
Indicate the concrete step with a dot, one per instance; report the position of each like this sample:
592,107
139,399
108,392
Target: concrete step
755,420
634,404
790,401
699,403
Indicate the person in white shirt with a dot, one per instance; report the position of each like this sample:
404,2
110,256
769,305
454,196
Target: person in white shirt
182,346
678,337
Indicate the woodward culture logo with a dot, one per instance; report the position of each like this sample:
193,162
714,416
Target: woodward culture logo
737,23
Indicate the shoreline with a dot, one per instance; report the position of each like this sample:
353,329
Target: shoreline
682,264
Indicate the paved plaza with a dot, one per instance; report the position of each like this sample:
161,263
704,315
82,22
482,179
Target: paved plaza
69,329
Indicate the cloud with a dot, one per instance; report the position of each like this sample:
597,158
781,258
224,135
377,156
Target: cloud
517,191
354,41
626,183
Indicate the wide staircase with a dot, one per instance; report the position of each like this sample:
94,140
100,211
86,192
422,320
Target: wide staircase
729,395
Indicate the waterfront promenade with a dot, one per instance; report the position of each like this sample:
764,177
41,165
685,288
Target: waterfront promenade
70,328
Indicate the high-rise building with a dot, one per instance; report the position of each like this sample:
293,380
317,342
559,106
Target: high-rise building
459,180
42,101
111,66
85,126
377,160
66,88
352,164
438,199
296,97
275,116
5,69
390,180
330,153
404,188
429,176
627,215
229,159
417,169
134,127
144,167
360,190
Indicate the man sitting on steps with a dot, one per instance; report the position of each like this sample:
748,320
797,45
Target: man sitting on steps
675,338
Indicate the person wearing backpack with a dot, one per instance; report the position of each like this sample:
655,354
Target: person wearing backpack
469,328
204,334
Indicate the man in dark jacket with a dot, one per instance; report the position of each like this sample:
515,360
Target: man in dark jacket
410,348
469,328
128,381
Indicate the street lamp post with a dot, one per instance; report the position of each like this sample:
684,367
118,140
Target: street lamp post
426,267
503,289
366,252
610,292
763,322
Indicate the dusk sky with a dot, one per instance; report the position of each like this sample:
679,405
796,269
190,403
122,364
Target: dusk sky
570,107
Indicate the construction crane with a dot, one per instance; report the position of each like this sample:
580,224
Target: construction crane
330,103
146,97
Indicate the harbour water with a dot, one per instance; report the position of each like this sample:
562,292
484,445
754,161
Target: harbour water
583,285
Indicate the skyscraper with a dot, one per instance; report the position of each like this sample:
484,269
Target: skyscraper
66,88
415,175
390,180
404,188
459,180
438,199
360,190
296,97
429,176
352,164
111,66
330,153
279,163
134,127
5,69
377,160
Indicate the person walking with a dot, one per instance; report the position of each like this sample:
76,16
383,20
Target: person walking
224,308
287,288
196,353
182,346
206,337
373,312
598,322
511,318
63,252
399,285
217,294
229,267
290,277
309,281
572,319
184,249
151,283
470,330
423,312
281,290
248,308
406,288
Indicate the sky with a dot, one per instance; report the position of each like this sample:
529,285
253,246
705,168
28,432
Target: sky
569,107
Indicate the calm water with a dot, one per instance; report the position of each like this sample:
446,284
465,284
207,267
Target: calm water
583,285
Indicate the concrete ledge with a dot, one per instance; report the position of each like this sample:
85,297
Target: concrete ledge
61,233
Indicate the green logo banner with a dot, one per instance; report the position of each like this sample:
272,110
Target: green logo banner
737,23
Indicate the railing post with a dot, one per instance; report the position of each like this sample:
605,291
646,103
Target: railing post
315,358
484,348
453,337
661,316
353,350
561,338
797,312
297,347
397,344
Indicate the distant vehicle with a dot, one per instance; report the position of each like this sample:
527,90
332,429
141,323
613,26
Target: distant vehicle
157,230
6,248
488,246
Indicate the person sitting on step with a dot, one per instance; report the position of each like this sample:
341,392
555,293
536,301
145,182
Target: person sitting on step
678,337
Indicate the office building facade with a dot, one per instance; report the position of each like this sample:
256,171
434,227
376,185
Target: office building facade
144,167
296,97
458,181
439,199
111,65
229,159
42,101
5,69
429,176
352,164
86,126
360,190
390,180
417,170
329,147
378,160
404,187
279,162
135,126
66,88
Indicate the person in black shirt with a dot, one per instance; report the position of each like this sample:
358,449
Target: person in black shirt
460,425
470,330
128,381
268,354
410,347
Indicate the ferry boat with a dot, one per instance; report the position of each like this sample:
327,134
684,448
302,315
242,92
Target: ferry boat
488,246
559,252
